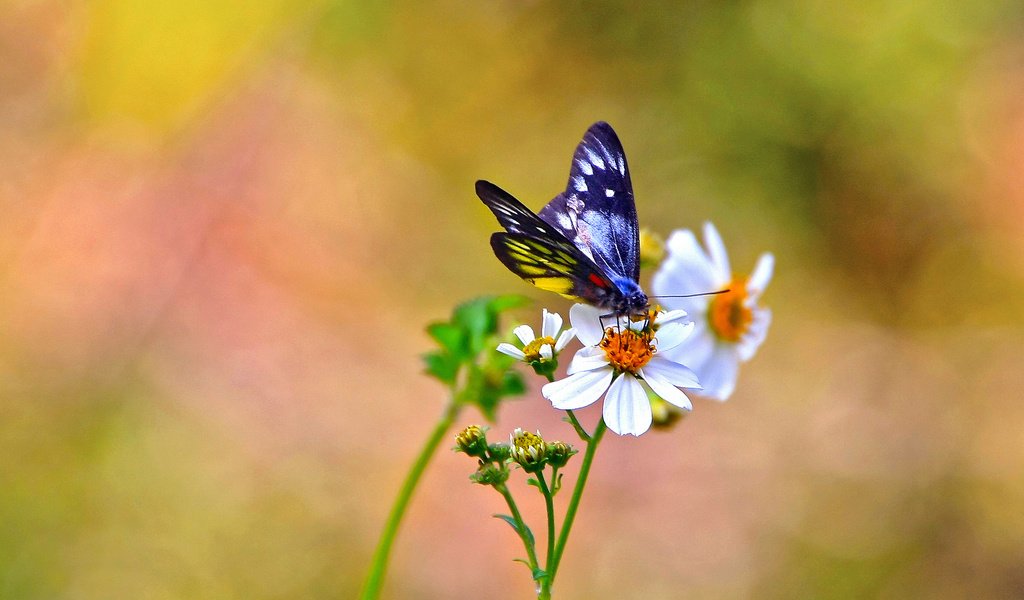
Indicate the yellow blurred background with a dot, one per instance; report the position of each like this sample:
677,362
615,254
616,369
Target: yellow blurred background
224,224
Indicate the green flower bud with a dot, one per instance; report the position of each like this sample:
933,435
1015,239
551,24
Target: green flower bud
529,450
499,452
559,453
664,414
472,441
490,474
652,248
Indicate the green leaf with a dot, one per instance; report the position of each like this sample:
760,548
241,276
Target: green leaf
478,322
442,365
525,531
513,384
450,337
500,304
539,574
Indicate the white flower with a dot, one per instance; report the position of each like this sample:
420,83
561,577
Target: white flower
616,360
729,327
542,348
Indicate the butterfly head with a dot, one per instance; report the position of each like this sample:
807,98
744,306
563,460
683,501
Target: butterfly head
633,300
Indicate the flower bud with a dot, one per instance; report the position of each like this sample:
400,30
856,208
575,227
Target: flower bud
559,453
499,452
664,415
472,441
529,450
652,248
490,474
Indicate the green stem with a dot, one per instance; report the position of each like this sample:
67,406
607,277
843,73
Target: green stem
577,493
531,553
375,576
549,505
580,431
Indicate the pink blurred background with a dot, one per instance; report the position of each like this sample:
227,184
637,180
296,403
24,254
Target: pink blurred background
224,226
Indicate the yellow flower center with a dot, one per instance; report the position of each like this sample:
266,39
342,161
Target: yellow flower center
532,350
627,350
728,314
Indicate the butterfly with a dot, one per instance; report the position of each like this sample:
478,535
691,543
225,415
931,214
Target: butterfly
585,244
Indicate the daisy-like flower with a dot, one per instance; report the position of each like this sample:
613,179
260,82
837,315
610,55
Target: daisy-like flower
615,360
728,327
542,348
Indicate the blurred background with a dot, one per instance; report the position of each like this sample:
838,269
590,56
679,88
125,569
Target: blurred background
224,225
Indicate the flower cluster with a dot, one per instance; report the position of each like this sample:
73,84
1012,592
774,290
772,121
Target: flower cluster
528,450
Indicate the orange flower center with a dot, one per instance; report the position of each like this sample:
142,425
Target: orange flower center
532,350
627,350
728,314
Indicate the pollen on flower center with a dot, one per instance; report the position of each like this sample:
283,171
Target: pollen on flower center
627,350
728,313
532,350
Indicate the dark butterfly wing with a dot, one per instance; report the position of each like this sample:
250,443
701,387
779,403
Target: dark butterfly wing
512,214
597,212
553,264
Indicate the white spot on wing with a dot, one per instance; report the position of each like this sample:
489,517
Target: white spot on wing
594,158
585,166
622,165
564,221
579,184
609,193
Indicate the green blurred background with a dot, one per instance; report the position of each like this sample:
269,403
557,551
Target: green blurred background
224,224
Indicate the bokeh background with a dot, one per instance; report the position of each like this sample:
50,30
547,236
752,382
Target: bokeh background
224,225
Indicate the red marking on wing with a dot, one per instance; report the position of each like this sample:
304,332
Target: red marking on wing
598,281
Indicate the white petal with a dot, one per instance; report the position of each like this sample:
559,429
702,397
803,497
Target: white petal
716,250
511,350
687,270
671,335
579,390
626,408
671,317
695,350
762,274
752,339
552,323
587,322
545,352
524,333
668,392
718,376
672,372
564,339
587,359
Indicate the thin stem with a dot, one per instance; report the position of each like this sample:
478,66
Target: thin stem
549,505
531,552
375,576
580,431
574,502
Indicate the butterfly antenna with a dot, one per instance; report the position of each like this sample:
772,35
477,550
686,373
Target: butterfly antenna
694,295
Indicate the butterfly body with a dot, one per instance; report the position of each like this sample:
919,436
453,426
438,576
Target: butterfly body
585,243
